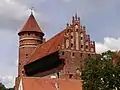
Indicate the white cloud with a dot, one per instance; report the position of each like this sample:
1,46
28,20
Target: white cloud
109,43
13,9
8,81
16,12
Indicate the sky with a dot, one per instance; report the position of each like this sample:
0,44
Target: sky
101,18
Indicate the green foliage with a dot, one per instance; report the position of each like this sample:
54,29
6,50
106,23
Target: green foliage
2,87
100,73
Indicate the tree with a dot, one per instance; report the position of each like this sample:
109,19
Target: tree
2,87
100,73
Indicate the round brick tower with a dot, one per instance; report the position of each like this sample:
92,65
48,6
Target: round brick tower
30,37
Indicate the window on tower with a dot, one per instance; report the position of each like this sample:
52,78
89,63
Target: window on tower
26,55
28,34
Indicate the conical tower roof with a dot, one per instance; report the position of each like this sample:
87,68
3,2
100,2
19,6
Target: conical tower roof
31,25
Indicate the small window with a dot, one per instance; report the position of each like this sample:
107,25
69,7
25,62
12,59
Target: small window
26,55
70,75
22,72
81,54
63,53
76,30
71,37
81,46
28,33
73,54
81,38
86,47
71,45
89,55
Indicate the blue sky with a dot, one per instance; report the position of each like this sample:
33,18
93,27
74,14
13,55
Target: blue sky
101,18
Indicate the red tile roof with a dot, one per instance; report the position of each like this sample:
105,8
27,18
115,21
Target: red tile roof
37,83
48,47
31,25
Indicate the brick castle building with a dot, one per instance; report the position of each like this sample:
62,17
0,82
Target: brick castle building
54,64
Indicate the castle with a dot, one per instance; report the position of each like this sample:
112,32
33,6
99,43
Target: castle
54,64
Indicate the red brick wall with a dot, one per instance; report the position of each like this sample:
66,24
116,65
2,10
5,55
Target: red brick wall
28,41
72,51
76,47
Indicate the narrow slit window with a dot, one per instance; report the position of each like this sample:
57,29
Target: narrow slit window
81,54
81,46
71,45
63,53
70,75
86,47
73,54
